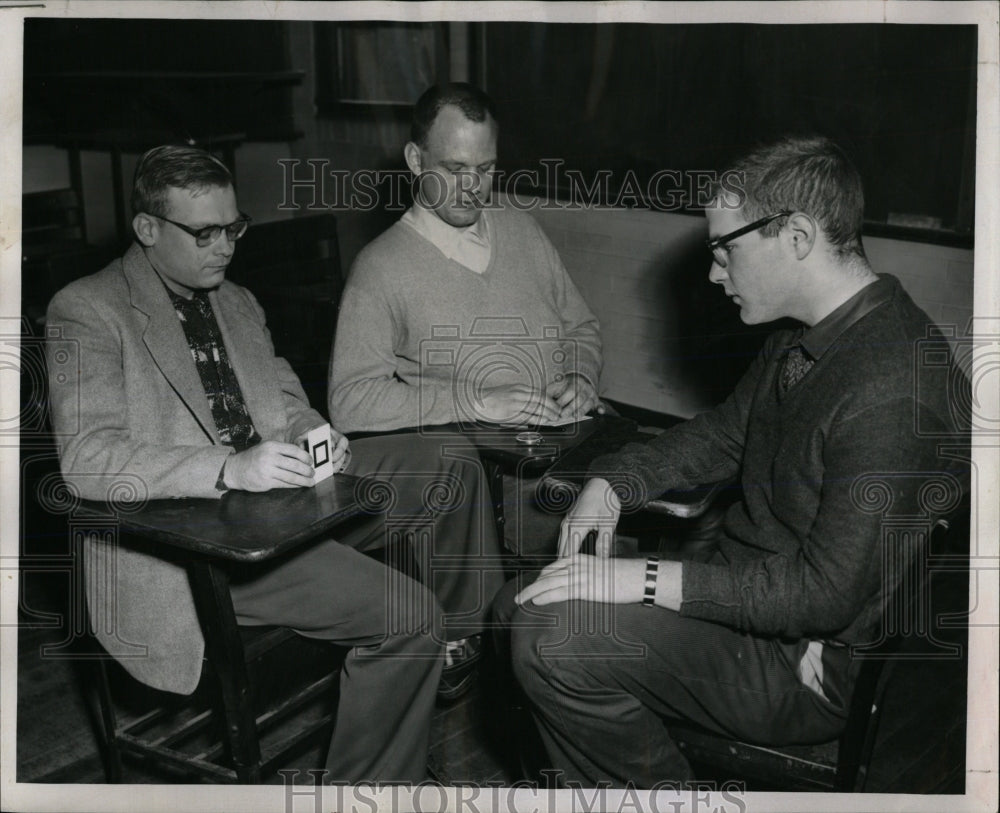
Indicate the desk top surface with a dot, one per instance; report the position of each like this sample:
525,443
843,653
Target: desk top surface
241,526
500,443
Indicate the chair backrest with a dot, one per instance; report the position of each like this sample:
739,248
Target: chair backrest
904,618
297,251
52,218
843,766
293,268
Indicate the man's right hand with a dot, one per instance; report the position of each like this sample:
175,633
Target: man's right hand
596,509
268,465
517,404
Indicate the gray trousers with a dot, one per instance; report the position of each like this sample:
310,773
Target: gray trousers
396,626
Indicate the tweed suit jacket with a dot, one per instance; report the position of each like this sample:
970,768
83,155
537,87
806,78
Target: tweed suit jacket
132,420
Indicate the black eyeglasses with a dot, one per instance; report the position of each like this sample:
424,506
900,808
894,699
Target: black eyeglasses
720,251
207,235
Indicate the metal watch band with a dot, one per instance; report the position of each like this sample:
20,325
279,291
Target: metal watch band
649,593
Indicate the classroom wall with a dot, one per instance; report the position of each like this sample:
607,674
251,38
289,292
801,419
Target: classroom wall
636,269
673,342
258,177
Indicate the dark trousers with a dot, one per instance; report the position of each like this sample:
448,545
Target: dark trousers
395,625
605,681
432,489
531,527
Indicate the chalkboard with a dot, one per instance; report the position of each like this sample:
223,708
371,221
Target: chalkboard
621,104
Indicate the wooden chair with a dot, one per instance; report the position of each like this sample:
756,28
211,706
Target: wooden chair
52,221
250,714
54,247
226,731
293,268
229,730
841,765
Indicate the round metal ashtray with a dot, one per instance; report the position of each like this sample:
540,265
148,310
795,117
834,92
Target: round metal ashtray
529,438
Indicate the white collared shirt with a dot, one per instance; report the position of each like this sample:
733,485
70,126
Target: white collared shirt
469,246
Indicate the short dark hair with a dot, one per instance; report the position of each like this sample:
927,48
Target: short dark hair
808,174
474,104
182,167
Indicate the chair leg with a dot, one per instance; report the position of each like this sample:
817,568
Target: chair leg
494,480
858,740
113,756
225,651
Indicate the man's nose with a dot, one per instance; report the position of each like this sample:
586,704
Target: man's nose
471,186
225,246
717,273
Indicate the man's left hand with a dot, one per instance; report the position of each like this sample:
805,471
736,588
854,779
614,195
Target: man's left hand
576,398
588,578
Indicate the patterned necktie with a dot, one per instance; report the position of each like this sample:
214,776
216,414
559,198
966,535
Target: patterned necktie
796,365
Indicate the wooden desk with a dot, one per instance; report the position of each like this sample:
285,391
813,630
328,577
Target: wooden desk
239,527
242,526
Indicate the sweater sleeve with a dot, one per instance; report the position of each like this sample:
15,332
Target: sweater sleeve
580,326
364,391
704,450
825,584
98,455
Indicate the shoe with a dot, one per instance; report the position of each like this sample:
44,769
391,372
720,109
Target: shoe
459,673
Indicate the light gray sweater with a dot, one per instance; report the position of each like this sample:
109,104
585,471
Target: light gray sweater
419,335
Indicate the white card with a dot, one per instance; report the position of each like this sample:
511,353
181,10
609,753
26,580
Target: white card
320,446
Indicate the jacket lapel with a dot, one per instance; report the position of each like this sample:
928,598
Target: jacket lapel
164,337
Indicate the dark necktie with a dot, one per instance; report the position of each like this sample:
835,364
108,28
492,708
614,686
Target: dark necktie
796,365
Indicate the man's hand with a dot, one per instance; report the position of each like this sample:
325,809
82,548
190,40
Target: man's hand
517,404
339,455
597,509
271,464
588,578
575,397
341,451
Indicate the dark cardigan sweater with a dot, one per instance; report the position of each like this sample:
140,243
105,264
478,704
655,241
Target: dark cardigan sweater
801,551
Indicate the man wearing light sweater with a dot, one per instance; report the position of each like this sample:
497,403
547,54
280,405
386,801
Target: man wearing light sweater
462,310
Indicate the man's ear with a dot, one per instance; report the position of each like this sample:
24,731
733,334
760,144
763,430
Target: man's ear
411,152
802,232
146,229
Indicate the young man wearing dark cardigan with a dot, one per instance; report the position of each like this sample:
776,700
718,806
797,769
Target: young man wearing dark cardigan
754,643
